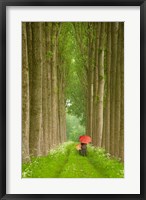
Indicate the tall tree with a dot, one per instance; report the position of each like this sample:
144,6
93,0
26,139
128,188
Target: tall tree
107,105
36,98
121,144
54,85
25,97
114,39
118,95
48,27
95,92
90,77
101,85
45,139
30,66
29,47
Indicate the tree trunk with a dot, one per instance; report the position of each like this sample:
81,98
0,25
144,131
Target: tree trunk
44,91
103,129
36,97
90,78
100,86
107,106
54,87
25,97
60,124
118,96
89,85
29,47
48,65
114,29
63,111
121,150
95,95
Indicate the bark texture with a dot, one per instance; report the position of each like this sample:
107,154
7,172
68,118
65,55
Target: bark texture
25,97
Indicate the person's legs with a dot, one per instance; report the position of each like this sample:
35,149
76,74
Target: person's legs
84,152
83,149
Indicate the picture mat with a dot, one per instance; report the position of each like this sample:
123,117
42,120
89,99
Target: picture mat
128,185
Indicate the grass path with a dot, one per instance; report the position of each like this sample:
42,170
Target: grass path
79,166
65,162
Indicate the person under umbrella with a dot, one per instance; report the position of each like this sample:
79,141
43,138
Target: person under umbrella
84,139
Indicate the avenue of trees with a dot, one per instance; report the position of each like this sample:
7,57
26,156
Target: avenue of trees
76,68
43,98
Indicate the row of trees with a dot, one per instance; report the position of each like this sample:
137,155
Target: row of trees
43,100
76,67
101,47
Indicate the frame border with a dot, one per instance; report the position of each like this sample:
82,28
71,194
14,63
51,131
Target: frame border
3,5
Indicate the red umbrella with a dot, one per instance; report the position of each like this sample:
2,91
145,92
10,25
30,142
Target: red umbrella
85,139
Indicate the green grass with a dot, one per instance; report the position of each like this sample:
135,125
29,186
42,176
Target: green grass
49,166
65,162
109,167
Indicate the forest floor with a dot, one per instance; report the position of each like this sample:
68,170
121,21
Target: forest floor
65,162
